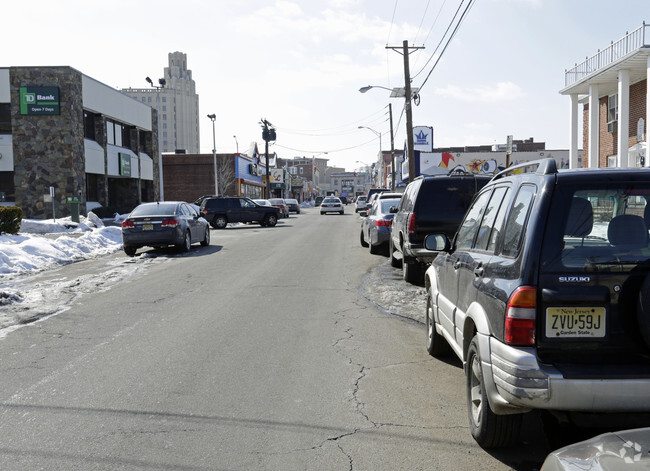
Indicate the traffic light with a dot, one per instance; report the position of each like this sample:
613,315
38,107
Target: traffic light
265,134
271,134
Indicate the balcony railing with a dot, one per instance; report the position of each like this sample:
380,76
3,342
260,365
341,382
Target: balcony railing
633,41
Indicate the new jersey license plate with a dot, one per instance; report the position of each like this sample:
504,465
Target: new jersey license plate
147,227
575,322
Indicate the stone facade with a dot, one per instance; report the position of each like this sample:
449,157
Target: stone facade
48,150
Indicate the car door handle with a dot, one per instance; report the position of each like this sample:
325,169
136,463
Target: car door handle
478,271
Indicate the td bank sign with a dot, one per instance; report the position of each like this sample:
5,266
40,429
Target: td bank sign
39,100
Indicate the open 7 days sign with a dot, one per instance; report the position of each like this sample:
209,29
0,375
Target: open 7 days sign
39,100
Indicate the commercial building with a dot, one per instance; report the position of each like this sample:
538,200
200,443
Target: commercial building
612,85
174,97
66,138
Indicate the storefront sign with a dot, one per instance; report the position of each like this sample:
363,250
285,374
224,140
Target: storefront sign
423,138
125,164
39,100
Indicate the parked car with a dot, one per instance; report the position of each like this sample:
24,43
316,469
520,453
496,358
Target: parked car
344,199
331,204
163,224
375,224
280,204
613,451
200,199
429,204
318,200
294,206
371,195
544,295
360,204
226,209
262,202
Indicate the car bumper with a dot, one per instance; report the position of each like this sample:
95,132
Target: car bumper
418,252
331,210
514,377
152,239
379,237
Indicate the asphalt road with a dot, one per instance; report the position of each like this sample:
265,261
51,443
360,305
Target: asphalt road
257,352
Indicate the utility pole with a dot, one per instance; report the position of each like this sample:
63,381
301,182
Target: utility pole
392,148
407,97
268,134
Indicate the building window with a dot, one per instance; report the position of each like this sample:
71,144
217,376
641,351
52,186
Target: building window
110,132
612,108
612,160
164,116
164,107
301,170
5,118
164,125
144,99
149,99
164,99
89,125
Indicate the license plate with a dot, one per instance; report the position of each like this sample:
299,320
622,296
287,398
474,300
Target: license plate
147,227
575,322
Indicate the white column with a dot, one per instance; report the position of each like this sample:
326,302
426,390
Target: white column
573,132
594,127
623,119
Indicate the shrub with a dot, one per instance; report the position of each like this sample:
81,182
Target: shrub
10,219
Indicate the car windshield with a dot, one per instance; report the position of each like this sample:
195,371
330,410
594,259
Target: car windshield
602,228
276,201
154,209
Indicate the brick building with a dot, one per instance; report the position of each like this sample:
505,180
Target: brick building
612,86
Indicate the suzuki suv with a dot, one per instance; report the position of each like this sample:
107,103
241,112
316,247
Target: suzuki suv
544,295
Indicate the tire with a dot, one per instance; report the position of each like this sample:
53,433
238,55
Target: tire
437,345
187,242
488,429
130,250
394,262
374,249
412,272
342,212
206,239
363,240
219,222
270,220
322,213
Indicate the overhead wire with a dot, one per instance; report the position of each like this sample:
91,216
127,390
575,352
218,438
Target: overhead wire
460,21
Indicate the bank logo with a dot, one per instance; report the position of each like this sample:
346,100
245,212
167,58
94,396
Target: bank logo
29,98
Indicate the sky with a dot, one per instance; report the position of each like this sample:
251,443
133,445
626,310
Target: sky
300,63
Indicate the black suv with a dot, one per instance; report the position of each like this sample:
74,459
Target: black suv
544,295
429,204
224,209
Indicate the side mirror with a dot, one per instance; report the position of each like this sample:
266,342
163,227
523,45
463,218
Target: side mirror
363,214
436,242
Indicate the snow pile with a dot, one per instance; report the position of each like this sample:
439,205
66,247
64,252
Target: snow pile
42,244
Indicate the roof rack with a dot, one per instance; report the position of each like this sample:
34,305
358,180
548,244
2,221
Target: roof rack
540,167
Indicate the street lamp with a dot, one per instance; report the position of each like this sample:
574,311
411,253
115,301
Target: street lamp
213,117
161,83
408,94
236,143
377,133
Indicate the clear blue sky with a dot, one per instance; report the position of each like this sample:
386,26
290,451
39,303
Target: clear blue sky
300,63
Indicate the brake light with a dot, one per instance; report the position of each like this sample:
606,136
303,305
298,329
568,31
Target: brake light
382,222
169,223
411,225
520,317
127,224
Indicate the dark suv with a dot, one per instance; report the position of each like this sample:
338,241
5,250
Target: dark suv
429,204
544,294
224,209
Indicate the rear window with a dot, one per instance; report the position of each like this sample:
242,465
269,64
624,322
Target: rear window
603,227
447,198
158,209
387,204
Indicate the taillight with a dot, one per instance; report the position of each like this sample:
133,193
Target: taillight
411,225
204,211
520,317
126,224
382,222
169,223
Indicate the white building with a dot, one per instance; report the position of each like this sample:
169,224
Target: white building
174,97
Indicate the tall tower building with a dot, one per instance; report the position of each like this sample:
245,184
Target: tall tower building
174,97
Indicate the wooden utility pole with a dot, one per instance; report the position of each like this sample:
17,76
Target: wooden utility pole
407,97
392,148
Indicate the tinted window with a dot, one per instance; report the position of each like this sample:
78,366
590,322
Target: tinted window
489,218
447,198
471,222
517,220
